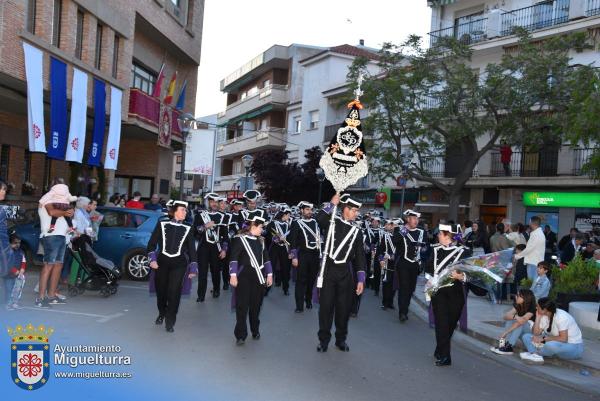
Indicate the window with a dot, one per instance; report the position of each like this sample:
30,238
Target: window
31,11
264,123
178,159
79,37
237,167
297,125
178,175
164,186
56,22
98,54
143,79
266,83
176,2
115,65
253,91
4,158
314,119
113,218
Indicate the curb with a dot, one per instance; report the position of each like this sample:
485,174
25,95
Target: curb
573,365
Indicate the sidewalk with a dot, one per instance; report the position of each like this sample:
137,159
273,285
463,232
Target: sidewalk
485,324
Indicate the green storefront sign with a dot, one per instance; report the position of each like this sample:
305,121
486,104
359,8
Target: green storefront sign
562,199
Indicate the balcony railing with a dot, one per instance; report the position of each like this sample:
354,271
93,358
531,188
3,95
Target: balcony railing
538,16
261,93
593,8
526,164
468,32
580,157
436,167
147,109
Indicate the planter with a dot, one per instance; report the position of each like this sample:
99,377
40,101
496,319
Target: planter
563,299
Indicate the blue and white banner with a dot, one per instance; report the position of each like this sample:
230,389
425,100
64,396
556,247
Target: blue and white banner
76,141
35,98
114,130
95,155
58,109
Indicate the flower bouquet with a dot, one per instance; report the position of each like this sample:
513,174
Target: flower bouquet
483,271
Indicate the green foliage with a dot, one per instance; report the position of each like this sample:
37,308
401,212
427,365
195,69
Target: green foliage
174,193
526,283
577,278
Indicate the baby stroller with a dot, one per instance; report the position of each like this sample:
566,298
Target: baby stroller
91,272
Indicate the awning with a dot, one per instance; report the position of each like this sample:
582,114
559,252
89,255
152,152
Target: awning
437,3
247,116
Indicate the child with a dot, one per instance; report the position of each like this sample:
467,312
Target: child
61,199
541,285
516,322
15,279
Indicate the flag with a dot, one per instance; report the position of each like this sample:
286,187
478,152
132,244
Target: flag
181,100
58,109
35,98
171,89
159,81
99,123
114,130
77,127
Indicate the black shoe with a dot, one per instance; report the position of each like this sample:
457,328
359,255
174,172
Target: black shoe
170,329
225,287
308,305
277,284
353,314
215,294
299,310
444,361
256,336
403,317
286,292
159,319
200,299
240,341
322,348
383,307
342,346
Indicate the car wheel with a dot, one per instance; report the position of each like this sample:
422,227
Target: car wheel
137,265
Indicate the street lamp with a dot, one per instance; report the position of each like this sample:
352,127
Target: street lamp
247,163
321,178
185,122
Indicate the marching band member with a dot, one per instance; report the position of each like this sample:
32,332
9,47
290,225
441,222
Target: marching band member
251,273
237,219
448,302
172,254
224,230
345,261
252,197
212,247
305,241
279,248
408,240
374,234
386,255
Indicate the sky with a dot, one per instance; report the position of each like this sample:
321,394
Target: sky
235,31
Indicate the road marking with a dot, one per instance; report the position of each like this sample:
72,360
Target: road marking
134,287
99,318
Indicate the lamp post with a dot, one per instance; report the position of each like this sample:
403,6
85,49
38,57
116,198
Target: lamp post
185,122
321,178
247,163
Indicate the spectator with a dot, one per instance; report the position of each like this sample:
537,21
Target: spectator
83,222
550,239
154,204
54,245
519,269
535,249
122,202
567,238
96,217
114,200
17,265
135,203
597,257
571,249
4,240
541,285
524,231
514,236
468,227
505,156
477,240
498,241
516,322
555,333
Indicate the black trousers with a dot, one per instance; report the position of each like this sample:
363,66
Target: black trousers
306,276
248,299
208,258
368,271
168,283
447,305
407,280
224,266
281,265
375,283
387,299
335,302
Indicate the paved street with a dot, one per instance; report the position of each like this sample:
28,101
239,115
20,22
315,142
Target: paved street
387,361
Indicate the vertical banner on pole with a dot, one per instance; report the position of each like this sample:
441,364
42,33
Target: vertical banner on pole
58,109
76,141
114,130
99,123
35,98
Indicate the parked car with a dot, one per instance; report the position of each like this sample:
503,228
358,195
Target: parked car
123,237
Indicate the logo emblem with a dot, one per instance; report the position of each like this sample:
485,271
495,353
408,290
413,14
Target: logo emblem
94,150
75,143
30,356
54,140
36,131
112,153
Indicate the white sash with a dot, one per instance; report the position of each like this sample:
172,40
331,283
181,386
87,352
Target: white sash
164,238
305,227
254,261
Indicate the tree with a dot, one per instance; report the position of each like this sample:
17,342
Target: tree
432,105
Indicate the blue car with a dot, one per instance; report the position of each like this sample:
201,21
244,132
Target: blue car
123,236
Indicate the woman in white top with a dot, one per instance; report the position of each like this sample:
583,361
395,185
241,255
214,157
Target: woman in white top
555,333
83,223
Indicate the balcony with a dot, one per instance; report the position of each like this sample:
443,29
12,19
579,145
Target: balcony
437,167
580,157
538,16
234,182
527,164
146,109
469,32
252,142
592,8
267,98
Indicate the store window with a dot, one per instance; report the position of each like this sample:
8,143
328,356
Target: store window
142,78
587,219
548,217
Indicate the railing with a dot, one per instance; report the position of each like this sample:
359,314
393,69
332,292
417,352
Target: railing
526,164
147,109
261,93
580,157
538,16
593,8
259,134
468,32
